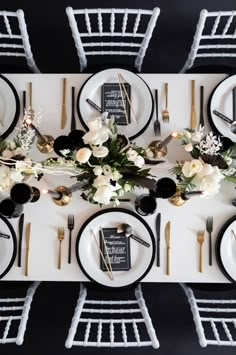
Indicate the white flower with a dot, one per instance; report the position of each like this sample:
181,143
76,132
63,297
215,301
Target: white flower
101,180
83,155
149,153
5,181
95,125
139,161
228,161
127,187
100,152
197,136
7,154
116,175
209,186
103,195
16,176
97,170
120,192
107,170
188,147
191,168
187,134
208,180
131,154
98,137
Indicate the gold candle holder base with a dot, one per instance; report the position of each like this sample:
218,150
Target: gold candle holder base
45,146
177,199
156,150
66,196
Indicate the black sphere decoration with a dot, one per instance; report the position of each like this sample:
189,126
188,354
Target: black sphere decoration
63,143
76,137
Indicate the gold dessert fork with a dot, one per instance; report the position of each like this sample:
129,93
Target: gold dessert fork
60,237
165,113
200,239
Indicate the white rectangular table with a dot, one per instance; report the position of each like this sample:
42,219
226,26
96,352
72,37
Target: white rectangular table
186,220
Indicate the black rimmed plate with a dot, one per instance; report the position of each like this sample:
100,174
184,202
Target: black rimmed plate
141,98
9,107
221,100
7,246
88,256
225,250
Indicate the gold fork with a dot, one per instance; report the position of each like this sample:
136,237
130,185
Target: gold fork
193,111
200,239
60,237
165,113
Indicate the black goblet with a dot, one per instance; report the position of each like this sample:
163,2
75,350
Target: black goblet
22,193
63,143
165,188
145,204
77,138
10,208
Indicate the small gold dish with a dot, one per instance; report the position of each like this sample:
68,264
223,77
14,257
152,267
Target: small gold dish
156,150
66,196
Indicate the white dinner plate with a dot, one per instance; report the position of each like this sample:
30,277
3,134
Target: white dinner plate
7,246
222,101
9,107
228,250
141,99
88,255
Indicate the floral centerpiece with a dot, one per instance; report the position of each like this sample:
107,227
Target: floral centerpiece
107,164
212,161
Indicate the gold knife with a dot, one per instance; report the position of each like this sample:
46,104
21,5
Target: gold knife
30,94
167,235
193,111
63,107
27,239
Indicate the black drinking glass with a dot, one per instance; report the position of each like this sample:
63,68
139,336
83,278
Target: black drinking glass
22,193
145,204
63,143
10,208
165,188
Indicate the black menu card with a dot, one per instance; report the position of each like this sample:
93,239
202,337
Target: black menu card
113,104
118,247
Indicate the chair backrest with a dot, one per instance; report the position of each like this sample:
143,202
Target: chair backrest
14,313
215,319
14,40
111,323
93,40
215,36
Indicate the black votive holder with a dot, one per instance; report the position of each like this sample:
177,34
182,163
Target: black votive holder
145,204
10,208
165,188
22,193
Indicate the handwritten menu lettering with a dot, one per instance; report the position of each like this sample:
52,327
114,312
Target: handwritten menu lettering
118,247
113,104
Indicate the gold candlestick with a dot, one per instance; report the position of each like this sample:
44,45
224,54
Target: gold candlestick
177,198
66,196
158,152
45,145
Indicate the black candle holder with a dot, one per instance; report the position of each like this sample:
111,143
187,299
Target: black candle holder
22,193
10,208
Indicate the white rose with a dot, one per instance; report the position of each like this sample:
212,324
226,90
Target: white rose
103,195
131,155
195,166
7,154
95,124
16,176
83,155
186,169
100,152
97,170
139,161
188,147
209,186
101,180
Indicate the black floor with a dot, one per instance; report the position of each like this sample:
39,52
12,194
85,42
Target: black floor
54,52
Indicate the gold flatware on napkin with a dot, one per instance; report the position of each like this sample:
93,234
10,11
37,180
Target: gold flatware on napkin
200,239
193,111
167,236
27,240
121,81
63,107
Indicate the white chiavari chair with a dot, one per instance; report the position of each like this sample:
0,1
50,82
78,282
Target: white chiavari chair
111,323
14,314
214,317
215,36
14,38
100,40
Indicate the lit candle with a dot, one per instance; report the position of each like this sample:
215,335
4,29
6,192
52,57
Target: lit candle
187,195
167,140
38,134
54,194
